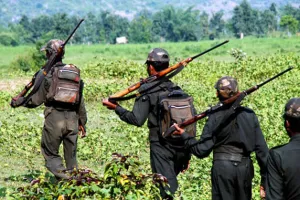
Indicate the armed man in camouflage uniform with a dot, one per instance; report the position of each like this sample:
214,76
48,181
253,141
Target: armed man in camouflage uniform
283,166
164,159
62,118
232,133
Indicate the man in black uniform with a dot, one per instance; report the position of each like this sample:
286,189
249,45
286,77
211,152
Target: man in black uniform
164,159
232,139
283,166
64,113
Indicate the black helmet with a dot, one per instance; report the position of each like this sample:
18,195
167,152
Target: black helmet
292,108
53,45
158,55
227,86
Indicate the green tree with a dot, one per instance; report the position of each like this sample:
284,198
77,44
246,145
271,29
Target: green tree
114,26
267,22
90,33
292,11
289,23
204,25
63,25
176,24
245,19
140,30
38,28
273,9
24,30
217,24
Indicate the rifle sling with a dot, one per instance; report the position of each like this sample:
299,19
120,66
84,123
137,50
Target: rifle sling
40,79
143,92
35,88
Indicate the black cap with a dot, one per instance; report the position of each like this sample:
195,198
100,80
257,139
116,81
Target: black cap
158,55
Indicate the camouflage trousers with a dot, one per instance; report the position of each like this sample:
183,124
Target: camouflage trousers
59,127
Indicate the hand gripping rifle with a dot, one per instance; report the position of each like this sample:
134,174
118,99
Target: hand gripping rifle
215,108
37,78
118,96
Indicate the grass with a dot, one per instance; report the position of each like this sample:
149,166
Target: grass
83,54
108,134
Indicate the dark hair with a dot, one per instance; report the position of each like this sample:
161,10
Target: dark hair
294,123
158,66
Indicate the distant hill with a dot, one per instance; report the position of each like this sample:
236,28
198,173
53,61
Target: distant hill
12,10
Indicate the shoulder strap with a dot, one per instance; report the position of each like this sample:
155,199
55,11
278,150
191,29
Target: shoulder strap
38,83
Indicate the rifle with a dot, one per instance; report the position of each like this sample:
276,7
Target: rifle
46,68
117,96
217,107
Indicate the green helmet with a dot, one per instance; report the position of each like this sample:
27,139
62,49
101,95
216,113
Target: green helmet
53,45
227,86
292,108
158,55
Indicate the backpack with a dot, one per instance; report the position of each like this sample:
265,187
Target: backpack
176,106
65,86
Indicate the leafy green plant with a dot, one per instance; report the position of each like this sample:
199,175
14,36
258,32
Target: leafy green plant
21,128
238,54
121,180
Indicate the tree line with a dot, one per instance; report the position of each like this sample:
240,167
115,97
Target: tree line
169,24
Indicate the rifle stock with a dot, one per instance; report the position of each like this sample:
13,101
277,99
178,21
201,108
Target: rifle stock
46,68
161,73
25,90
197,117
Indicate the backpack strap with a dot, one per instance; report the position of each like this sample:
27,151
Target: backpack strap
38,83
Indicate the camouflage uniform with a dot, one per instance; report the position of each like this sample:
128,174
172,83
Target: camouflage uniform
60,125
232,136
283,165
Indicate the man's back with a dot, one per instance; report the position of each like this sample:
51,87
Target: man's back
284,167
241,130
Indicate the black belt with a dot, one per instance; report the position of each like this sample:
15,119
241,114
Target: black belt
62,106
229,156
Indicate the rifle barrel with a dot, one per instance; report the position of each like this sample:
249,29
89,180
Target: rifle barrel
270,79
67,40
208,50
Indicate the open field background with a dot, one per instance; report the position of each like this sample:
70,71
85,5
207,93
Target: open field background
108,68
82,54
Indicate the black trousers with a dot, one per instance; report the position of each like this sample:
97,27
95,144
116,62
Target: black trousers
232,180
169,162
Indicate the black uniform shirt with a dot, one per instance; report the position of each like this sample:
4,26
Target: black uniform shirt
283,171
146,107
241,130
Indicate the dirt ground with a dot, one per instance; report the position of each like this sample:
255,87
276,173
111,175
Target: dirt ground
13,84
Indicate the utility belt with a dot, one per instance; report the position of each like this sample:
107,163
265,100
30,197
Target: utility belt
231,153
61,106
229,156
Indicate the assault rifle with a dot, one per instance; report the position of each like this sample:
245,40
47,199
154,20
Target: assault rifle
217,107
118,96
39,77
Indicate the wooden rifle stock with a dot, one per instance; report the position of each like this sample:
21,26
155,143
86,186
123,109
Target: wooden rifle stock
46,68
194,119
24,91
162,73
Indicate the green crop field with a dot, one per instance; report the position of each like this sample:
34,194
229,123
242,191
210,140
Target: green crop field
106,69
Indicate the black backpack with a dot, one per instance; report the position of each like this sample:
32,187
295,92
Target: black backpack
176,106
